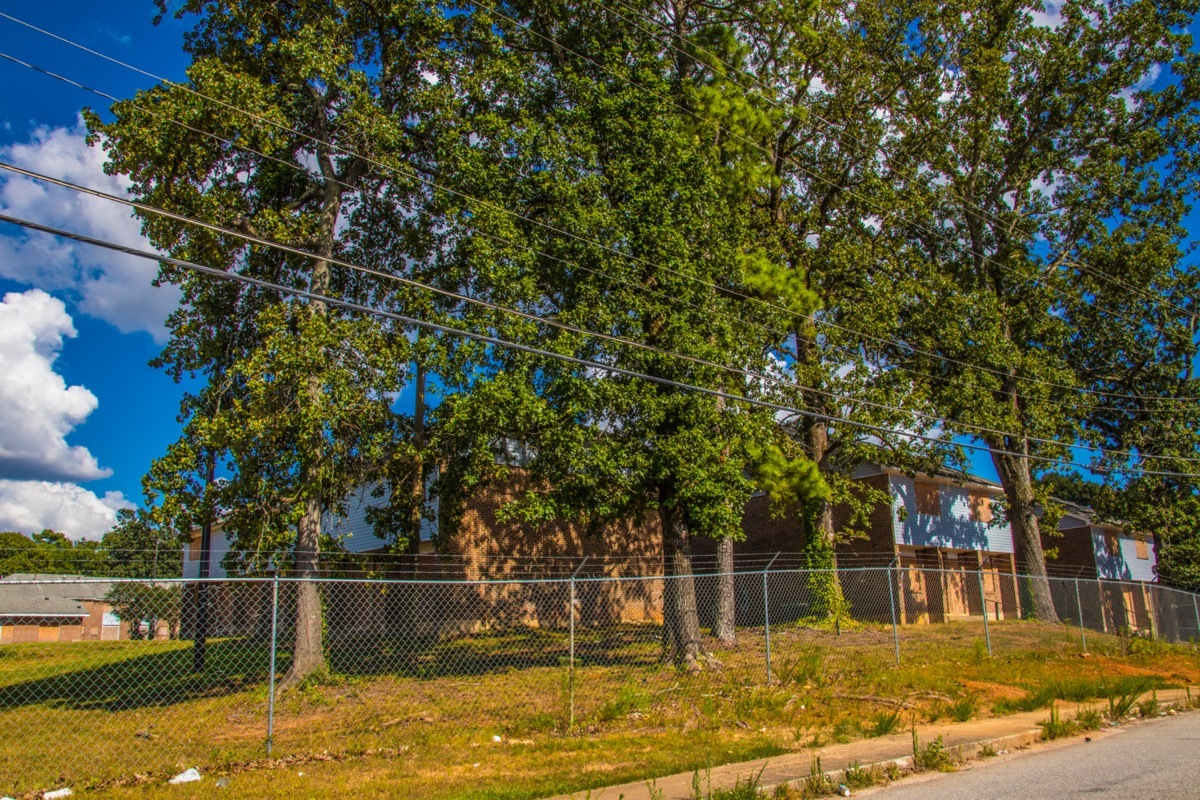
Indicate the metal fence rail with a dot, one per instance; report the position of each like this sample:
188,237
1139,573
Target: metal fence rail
190,675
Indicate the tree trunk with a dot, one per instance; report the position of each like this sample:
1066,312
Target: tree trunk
723,625
820,545
308,654
681,620
1027,533
417,487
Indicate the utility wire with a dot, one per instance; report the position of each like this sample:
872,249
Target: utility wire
433,184
640,287
744,373
536,351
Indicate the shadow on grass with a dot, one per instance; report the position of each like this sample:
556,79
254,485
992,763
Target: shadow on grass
142,675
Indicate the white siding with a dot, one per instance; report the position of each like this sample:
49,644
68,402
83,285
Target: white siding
1126,566
219,549
954,528
356,534
352,530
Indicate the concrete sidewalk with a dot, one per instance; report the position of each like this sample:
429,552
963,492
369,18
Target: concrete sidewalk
960,739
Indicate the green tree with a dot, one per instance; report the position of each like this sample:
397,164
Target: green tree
1046,141
145,604
138,547
662,249
311,106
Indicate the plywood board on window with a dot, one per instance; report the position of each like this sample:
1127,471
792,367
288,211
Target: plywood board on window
1142,544
929,498
981,507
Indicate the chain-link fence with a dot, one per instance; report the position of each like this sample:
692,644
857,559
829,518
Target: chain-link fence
105,681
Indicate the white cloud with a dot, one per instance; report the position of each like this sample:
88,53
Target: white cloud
1142,84
37,408
1050,16
110,286
32,506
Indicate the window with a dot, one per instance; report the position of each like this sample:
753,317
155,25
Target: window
1142,543
194,549
981,507
1114,544
929,499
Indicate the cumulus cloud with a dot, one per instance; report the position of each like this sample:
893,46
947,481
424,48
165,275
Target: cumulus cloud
110,286
32,506
37,408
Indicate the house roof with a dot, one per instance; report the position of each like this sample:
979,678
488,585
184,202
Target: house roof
28,594
952,475
1086,514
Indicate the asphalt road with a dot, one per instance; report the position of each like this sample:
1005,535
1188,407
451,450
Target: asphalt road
1154,760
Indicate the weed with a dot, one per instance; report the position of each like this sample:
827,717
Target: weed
807,666
932,756
883,723
1149,706
741,790
629,698
1121,705
987,751
963,708
1089,719
981,650
818,782
858,778
1056,727
845,730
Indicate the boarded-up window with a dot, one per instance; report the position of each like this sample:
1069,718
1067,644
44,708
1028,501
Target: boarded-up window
929,499
47,633
194,549
1142,543
981,507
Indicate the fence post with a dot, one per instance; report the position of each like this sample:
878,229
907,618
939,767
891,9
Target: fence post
1196,611
571,663
1103,613
987,633
895,627
274,639
1079,609
767,614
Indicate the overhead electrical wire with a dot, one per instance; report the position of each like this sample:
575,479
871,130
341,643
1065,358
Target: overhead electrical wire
413,175
639,287
550,321
537,351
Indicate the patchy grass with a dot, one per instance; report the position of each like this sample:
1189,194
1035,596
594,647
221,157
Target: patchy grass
486,716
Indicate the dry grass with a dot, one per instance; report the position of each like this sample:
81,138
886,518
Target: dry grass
120,717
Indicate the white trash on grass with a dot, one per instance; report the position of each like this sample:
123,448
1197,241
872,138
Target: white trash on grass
64,792
187,776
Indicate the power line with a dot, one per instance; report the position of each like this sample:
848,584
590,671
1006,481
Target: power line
528,349
640,287
748,374
433,184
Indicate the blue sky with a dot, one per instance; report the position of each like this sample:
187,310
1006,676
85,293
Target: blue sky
79,326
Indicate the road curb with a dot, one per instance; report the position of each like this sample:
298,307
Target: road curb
961,753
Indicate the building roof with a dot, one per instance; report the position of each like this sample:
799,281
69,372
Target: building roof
952,475
27,594
1085,514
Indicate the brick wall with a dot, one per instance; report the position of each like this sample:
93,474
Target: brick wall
1075,551
880,541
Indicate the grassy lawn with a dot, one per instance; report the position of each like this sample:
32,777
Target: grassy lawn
118,718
